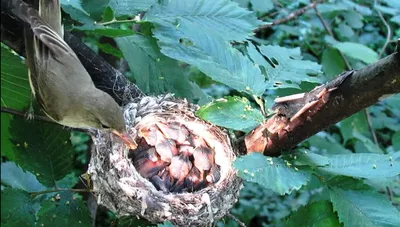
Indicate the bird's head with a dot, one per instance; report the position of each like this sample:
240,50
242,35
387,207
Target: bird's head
110,116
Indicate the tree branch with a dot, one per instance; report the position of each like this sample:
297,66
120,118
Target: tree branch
15,112
289,17
328,104
104,76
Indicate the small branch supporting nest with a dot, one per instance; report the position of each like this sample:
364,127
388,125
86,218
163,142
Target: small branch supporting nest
236,220
37,117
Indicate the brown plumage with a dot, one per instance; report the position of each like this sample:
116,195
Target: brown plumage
58,80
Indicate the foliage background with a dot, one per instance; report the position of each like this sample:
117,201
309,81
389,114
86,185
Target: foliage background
205,53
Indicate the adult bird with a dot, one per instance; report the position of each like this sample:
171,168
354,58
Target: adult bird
58,80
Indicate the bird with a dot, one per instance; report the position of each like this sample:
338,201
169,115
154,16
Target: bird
159,183
193,180
203,156
58,80
180,167
166,148
147,163
214,175
174,131
167,179
149,134
153,136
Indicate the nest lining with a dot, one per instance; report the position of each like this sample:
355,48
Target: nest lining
124,191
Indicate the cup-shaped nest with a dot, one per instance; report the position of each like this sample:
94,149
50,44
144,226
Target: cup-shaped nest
181,170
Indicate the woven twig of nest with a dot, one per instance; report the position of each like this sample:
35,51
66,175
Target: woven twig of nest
123,183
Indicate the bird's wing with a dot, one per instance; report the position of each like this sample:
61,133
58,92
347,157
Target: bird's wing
53,64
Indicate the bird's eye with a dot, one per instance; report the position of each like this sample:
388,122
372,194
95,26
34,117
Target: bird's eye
104,126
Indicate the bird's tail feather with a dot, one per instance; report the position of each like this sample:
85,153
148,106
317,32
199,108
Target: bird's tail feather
42,25
50,11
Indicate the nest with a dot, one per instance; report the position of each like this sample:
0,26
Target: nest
120,187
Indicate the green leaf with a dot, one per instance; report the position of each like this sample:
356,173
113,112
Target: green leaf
347,183
396,141
74,4
17,208
130,7
95,8
6,145
305,157
15,177
197,32
42,148
232,112
364,165
356,122
105,31
154,72
315,214
357,51
396,19
165,224
332,63
346,31
69,181
388,10
15,93
367,143
363,208
64,209
329,8
272,173
392,3
353,19
77,13
108,14
285,68
262,5
109,49
15,89
219,18
325,144
212,55
364,10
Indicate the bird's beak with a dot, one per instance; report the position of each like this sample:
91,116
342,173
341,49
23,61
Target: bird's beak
126,138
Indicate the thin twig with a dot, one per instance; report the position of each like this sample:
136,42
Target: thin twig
34,194
390,193
240,223
389,29
37,117
348,66
289,17
329,30
22,114
371,129
114,21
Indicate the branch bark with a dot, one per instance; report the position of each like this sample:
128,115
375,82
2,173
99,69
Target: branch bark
104,76
328,104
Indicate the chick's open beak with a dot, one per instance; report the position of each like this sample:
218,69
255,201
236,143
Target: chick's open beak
127,139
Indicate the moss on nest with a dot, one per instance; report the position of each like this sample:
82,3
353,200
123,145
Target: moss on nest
120,188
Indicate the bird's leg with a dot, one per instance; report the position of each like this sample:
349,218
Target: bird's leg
30,113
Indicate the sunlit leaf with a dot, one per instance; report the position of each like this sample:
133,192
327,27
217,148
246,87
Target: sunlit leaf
272,173
232,112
